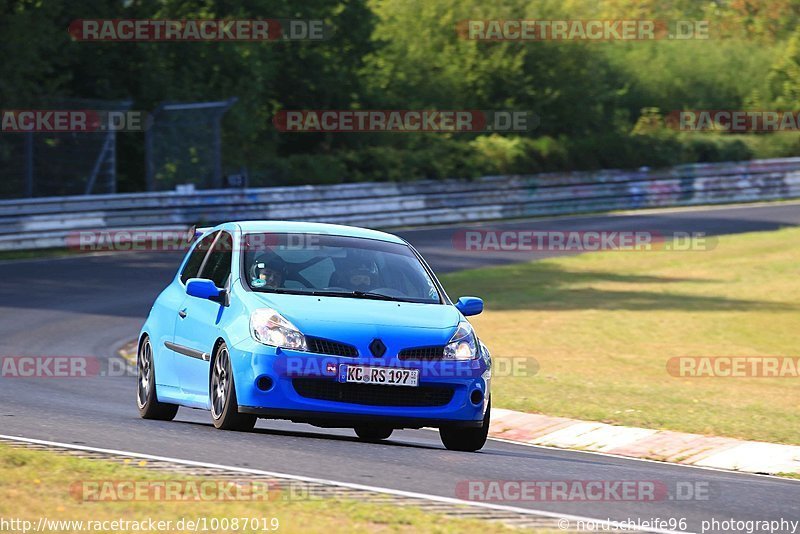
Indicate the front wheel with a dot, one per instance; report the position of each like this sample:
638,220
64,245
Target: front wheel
467,439
146,398
224,408
373,432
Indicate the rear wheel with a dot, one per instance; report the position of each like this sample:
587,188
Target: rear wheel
467,439
224,408
373,432
146,398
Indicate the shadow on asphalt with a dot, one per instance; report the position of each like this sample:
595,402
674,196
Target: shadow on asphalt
491,448
309,435
547,286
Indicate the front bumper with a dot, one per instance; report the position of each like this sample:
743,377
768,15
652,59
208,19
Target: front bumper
264,386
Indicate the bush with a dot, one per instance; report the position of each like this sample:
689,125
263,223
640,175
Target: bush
436,157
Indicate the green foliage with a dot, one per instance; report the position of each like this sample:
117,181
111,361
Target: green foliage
589,97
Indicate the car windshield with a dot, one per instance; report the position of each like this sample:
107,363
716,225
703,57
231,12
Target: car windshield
336,266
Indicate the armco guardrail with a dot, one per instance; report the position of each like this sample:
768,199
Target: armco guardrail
45,222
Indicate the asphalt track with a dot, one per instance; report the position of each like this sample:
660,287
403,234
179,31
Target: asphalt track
88,305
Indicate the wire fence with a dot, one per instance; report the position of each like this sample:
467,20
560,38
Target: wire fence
58,163
182,145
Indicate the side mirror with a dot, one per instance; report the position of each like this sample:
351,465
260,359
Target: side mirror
469,306
205,289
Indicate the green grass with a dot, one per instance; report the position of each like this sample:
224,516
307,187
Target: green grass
37,484
9,255
602,326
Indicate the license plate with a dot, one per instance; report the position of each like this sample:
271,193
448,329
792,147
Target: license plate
390,376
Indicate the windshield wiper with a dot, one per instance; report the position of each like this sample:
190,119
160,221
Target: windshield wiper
281,290
377,296
357,294
323,293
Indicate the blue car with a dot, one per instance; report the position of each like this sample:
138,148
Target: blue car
335,326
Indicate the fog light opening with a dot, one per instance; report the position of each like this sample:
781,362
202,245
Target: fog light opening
264,383
476,397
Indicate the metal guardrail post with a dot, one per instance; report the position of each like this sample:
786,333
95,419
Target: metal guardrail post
218,141
29,164
105,153
112,164
149,164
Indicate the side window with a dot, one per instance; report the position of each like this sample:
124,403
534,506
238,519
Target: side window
218,264
198,254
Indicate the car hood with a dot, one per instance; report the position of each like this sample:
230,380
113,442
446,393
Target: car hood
359,321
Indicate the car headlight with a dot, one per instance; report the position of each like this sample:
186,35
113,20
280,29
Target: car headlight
462,345
271,328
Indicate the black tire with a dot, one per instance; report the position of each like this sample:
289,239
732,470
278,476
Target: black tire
222,392
146,397
467,439
373,432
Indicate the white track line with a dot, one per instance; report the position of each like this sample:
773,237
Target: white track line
603,523
604,214
708,207
648,460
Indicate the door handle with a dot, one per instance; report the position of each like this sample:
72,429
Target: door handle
182,314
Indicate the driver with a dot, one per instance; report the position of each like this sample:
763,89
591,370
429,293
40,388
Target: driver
360,278
268,272
272,278
360,275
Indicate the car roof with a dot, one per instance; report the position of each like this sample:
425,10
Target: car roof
298,227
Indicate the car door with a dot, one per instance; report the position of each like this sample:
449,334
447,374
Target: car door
198,323
166,308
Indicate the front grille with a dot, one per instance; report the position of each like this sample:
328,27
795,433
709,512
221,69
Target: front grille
333,348
422,353
372,394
